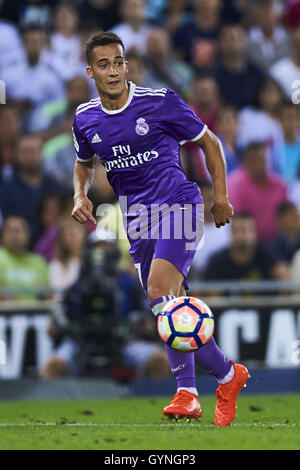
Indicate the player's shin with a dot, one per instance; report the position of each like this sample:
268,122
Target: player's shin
182,364
212,359
183,369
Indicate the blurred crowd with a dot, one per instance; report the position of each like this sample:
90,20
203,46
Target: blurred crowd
236,63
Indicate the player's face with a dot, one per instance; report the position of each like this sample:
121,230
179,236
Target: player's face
109,69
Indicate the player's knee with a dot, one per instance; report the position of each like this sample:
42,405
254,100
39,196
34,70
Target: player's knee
154,291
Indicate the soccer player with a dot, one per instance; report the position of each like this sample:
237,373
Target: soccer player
136,132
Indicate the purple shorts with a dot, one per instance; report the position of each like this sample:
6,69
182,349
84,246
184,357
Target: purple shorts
172,234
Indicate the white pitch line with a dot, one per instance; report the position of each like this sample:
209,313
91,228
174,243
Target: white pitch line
162,425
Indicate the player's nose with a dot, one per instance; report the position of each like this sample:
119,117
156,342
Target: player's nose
113,70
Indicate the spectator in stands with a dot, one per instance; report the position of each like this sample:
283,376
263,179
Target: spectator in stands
260,122
162,69
134,29
50,213
288,151
143,352
10,125
245,258
291,15
214,238
19,268
287,242
227,130
22,192
11,50
177,13
30,83
65,266
195,41
85,34
205,99
112,221
287,70
238,11
103,14
92,308
295,267
136,69
59,155
51,119
24,12
65,40
205,102
267,40
159,13
253,189
236,76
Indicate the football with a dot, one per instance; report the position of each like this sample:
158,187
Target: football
185,324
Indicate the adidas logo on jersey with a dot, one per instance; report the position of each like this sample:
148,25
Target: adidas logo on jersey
96,139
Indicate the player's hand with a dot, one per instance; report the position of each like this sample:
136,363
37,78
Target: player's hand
222,212
83,210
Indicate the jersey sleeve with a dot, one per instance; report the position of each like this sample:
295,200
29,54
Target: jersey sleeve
83,151
180,121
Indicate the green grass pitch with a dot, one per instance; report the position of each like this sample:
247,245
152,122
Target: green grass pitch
262,422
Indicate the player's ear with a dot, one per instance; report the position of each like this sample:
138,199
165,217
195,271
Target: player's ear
126,66
89,71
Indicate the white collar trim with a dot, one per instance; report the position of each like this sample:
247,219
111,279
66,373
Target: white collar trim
129,99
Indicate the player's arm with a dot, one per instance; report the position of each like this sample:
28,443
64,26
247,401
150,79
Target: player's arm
84,173
215,161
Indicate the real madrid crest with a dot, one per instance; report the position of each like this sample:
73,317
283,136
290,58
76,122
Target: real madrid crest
141,127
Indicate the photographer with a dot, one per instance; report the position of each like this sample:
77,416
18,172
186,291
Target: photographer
86,329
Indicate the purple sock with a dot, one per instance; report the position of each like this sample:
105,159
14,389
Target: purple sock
211,358
182,366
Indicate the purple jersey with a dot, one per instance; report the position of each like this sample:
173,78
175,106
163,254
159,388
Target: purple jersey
139,144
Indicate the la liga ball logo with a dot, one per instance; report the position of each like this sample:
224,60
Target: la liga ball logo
185,324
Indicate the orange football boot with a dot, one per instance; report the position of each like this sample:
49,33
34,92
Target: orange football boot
227,396
184,405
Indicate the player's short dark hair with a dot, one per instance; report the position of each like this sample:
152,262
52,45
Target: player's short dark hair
103,38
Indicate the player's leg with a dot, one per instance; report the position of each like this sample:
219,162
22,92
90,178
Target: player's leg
211,358
231,377
165,283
